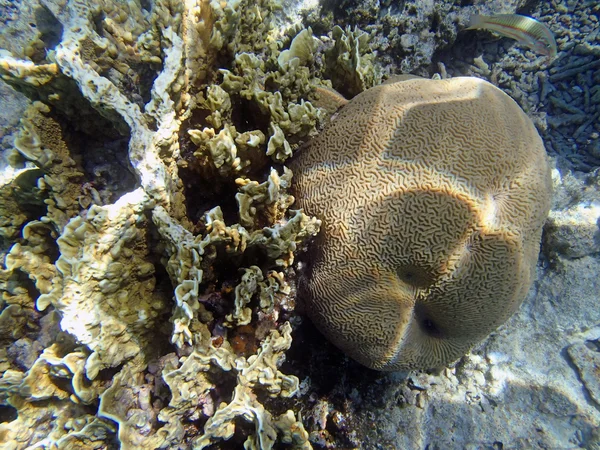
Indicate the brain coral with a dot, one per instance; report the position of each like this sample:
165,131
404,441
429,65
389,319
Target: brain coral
432,194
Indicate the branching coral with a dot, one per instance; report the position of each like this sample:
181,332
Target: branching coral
120,348
349,62
289,117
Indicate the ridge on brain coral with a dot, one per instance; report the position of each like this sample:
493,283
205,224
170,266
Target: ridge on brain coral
432,196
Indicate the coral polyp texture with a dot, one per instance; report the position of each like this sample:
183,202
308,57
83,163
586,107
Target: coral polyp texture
432,196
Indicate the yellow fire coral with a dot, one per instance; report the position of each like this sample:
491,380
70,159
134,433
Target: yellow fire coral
432,195
86,311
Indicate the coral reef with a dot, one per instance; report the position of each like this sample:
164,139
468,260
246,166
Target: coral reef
405,36
122,315
146,216
560,95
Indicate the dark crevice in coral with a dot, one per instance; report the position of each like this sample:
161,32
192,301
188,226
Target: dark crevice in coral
204,189
48,36
51,30
247,116
105,160
465,47
76,111
276,406
144,81
28,195
23,280
127,71
435,23
216,301
333,377
146,5
97,20
411,10
157,341
222,270
158,338
66,384
311,354
7,413
243,338
243,429
108,373
257,256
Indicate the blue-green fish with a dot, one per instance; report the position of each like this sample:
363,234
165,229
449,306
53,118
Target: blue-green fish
526,30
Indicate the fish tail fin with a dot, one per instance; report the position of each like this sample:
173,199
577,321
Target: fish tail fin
475,21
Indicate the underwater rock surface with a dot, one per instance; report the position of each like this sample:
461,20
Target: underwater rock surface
149,240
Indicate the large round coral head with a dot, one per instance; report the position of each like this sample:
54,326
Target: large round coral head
432,194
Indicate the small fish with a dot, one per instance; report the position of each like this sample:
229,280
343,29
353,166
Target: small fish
526,30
